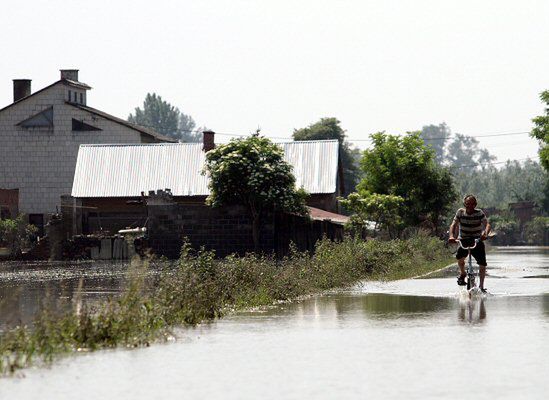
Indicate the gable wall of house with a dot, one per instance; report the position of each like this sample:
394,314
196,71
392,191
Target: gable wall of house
40,162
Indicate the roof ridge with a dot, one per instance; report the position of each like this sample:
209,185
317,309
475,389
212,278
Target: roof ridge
310,141
137,144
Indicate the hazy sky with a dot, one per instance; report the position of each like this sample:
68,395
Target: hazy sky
237,65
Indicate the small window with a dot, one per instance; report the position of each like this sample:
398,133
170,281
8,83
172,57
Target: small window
75,98
69,95
81,126
81,98
43,119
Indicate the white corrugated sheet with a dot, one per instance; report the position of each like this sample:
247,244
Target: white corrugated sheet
127,170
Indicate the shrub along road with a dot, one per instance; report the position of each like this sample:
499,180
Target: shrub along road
202,288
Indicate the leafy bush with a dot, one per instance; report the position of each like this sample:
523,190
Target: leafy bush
15,234
507,228
536,230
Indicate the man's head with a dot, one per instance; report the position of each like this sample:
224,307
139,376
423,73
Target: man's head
470,202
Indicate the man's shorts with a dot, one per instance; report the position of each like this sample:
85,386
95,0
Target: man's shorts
479,252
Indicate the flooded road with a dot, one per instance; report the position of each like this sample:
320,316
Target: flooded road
411,339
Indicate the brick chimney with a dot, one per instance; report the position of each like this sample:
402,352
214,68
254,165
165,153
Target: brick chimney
21,89
70,74
209,141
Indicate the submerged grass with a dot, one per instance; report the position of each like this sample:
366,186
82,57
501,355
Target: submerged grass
202,288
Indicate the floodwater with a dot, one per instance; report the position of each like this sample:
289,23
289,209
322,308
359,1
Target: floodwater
413,339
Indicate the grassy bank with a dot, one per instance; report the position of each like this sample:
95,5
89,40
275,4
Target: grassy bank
202,288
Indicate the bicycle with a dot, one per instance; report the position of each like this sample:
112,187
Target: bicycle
471,273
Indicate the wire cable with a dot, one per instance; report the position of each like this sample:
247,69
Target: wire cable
490,163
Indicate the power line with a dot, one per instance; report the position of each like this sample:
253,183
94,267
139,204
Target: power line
426,139
490,163
200,130
495,134
479,136
465,136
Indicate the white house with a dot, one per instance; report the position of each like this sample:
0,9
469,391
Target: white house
40,134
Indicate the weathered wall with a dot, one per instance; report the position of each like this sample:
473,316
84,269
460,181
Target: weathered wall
226,230
326,202
40,162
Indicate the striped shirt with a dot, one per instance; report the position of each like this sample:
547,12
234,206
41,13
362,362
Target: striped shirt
470,225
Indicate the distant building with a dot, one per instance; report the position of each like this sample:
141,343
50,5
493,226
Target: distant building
124,171
112,184
40,134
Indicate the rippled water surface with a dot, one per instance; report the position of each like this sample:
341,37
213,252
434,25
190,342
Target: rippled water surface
417,339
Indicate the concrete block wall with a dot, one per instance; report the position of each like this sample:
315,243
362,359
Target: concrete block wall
226,230
40,162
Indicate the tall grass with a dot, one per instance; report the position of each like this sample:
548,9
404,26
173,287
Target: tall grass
202,288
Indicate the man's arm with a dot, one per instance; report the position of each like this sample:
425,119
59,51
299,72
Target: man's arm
453,230
487,229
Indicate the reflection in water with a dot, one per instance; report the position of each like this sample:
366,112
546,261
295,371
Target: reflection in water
388,305
376,305
20,304
27,288
545,302
472,310
387,340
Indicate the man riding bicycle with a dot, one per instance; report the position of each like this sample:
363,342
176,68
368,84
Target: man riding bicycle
471,223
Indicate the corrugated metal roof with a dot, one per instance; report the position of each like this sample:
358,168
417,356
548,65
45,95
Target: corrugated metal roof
314,164
126,170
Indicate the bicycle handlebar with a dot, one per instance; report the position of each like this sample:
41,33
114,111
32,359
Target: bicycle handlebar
468,248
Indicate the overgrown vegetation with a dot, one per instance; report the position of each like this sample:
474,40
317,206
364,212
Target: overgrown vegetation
497,187
402,183
202,287
536,231
15,234
507,227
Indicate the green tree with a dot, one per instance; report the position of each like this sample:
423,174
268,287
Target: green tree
382,209
166,119
330,129
497,187
464,152
541,131
436,136
405,167
252,172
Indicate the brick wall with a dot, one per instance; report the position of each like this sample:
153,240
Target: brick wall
226,230
326,201
40,162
